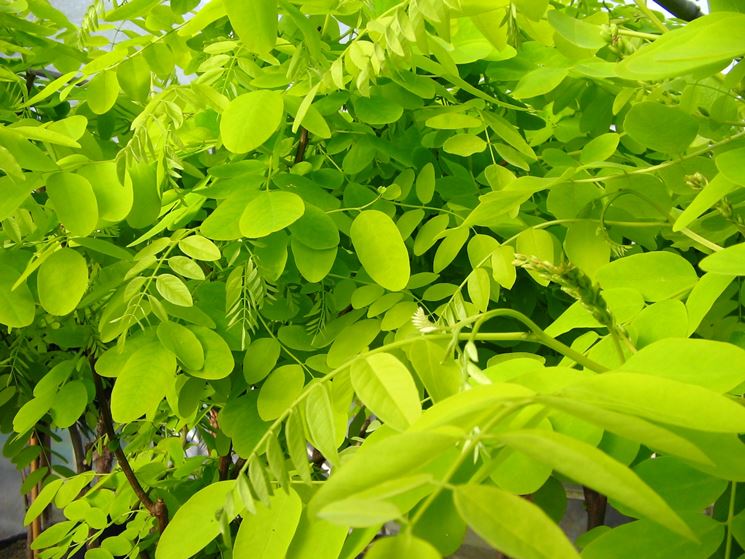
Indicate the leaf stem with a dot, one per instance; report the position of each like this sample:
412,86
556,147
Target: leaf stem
642,5
730,517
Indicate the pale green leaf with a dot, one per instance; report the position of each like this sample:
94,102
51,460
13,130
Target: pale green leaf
195,523
142,383
593,468
268,532
385,386
380,249
61,281
250,119
269,212
512,524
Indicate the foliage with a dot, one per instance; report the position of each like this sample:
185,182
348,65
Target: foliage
468,250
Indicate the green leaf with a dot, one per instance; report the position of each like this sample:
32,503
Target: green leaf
319,418
656,275
199,248
397,456
260,358
704,44
279,391
218,359
255,23
313,265
74,201
240,421
102,91
223,223
729,164
31,412
195,523
186,267
661,399
69,404
42,501
268,532
114,199
142,383
377,110
635,539
703,296
381,249
173,290
631,427
453,121
730,261
359,513
464,145
250,119
269,212
661,127
717,366
591,467
183,343
315,229
439,373
385,386
538,82
666,475
16,305
425,183
493,514
297,447
351,341
600,148
317,539
61,281
133,75
576,31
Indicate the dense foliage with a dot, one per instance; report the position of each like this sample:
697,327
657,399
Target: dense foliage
303,268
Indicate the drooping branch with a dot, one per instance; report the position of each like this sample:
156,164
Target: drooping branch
683,9
156,508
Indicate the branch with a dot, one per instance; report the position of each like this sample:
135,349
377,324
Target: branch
157,509
301,146
683,9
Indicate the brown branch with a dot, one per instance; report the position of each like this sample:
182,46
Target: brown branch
682,9
595,504
156,508
223,466
78,450
301,146
34,530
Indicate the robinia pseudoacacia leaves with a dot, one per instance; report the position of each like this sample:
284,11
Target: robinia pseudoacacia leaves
308,268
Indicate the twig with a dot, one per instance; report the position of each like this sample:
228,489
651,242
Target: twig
642,5
301,146
156,508
683,9
77,448
595,504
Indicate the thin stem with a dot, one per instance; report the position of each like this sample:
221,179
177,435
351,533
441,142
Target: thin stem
468,446
664,165
642,5
156,509
301,146
730,517
638,34
538,335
